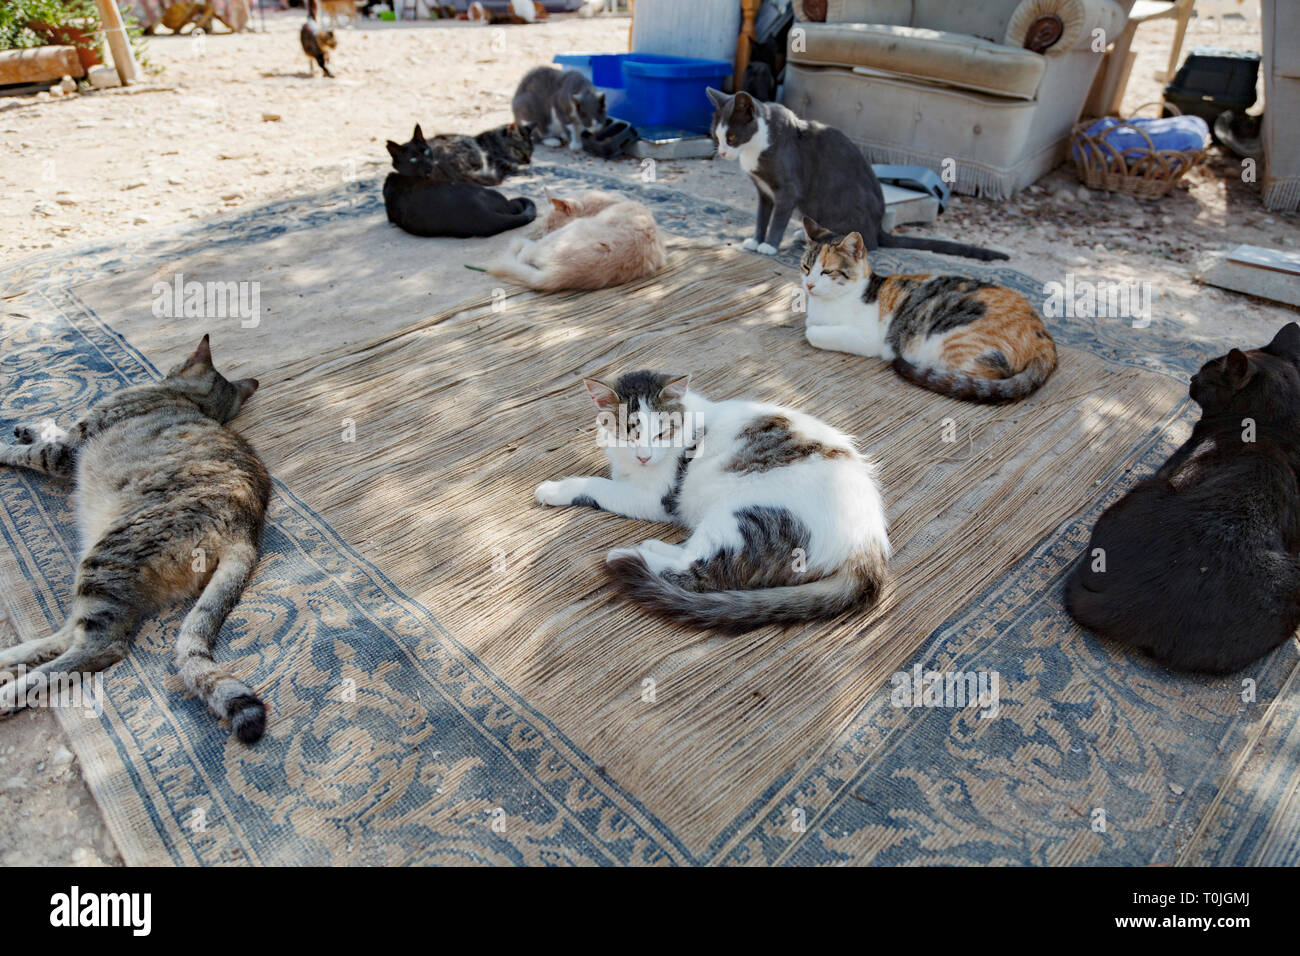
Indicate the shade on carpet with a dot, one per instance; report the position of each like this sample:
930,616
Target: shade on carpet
451,679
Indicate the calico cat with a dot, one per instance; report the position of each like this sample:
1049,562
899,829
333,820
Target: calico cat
316,42
786,519
558,105
593,241
170,505
485,159
1199,564
812,167
961,337
423,206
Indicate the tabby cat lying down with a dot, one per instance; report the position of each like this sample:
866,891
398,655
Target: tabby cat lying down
961,337
1199,565
170,505
485,159
786,518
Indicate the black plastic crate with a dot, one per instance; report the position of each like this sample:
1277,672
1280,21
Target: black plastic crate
1211,81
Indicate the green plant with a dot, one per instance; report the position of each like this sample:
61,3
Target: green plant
17,16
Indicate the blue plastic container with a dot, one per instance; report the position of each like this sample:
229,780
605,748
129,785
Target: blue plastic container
647,89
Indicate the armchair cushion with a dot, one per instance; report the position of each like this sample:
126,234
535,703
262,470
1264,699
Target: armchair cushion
951,59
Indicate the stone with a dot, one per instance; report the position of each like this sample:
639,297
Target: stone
103,77
68,84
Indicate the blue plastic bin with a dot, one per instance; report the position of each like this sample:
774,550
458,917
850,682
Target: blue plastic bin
651,90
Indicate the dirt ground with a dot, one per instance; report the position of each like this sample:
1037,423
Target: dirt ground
234,120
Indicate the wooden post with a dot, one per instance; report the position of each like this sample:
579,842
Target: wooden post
118,42
748,13
631,12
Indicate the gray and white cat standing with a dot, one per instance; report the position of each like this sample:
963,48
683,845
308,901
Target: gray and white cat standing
805,165
560,105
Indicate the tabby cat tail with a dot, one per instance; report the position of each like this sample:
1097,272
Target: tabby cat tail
856,585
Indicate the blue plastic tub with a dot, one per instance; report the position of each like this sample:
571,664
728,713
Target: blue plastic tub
651,90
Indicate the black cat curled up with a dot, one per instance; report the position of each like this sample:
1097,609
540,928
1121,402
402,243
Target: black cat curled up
1199,565
423,205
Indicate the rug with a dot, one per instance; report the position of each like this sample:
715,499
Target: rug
452,680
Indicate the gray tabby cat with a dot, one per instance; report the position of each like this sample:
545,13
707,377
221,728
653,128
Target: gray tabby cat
169,504
560,105
812,167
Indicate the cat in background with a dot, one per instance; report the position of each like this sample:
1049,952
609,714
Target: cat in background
961,337
1199,564
170,505
592,241
337,10
786,518
485,159
421,205
812,167
316,42
559,105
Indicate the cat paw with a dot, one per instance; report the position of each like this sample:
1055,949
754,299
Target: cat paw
559,493
551,141
765,250
751,244
28,433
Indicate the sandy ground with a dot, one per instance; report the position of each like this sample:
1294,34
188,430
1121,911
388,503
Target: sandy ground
235,121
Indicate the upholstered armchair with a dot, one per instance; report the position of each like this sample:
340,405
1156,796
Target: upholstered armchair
993,85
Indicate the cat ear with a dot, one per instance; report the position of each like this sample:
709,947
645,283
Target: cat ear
202,355
717,96
246,387
601,100
1237,368
394,150
813,231
742,104
417,135
604,396
561,204
852,245
1287,341
675,390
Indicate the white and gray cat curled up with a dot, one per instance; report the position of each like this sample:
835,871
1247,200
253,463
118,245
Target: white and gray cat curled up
786,518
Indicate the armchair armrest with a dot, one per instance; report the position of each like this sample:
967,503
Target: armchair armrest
1077,18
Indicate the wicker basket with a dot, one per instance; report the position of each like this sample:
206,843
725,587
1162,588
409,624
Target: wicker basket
1143,173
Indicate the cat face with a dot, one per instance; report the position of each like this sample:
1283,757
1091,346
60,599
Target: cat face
216,397
516,143
326,39
736,124
414,158
589,110
1263,384
642,419
833,265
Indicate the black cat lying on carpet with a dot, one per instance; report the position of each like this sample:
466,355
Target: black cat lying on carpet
1199,565
424,206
